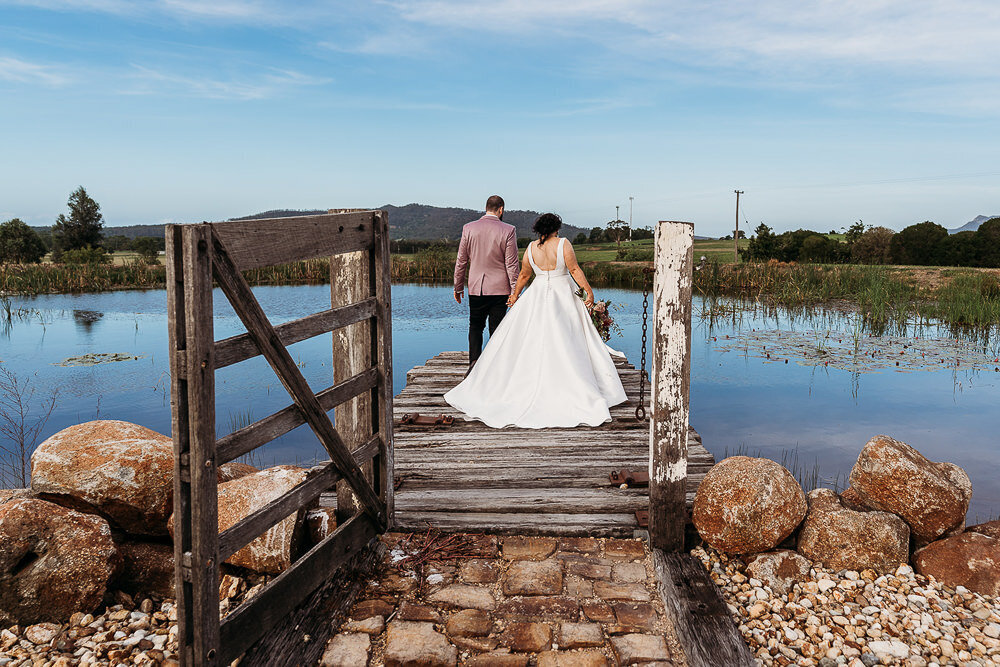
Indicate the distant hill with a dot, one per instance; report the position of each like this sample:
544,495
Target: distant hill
973,224
413,221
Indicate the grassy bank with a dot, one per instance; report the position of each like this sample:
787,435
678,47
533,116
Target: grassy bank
885,295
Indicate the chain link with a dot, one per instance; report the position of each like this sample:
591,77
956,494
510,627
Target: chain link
640,410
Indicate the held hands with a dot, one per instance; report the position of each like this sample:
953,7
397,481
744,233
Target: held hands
458,297
511,300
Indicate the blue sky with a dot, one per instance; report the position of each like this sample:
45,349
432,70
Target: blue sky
822,112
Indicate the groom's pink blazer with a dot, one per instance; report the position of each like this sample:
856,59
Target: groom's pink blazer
487,256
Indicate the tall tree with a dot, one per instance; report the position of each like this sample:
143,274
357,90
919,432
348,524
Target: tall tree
617,231
19,243
83,226
920,244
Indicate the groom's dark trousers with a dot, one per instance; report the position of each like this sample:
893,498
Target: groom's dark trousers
490,307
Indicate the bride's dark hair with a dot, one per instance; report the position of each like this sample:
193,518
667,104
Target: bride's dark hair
547,223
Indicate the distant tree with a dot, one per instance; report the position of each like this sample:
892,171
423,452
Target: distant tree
523,241
83,226
580,238
19,243
819,248
854,232
116,243
148,249
617,231
596,235
988,242
727,237
763,245
742,235
873,246
920,244
640,233
86,255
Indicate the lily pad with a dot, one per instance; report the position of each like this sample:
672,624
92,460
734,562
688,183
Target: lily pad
94,358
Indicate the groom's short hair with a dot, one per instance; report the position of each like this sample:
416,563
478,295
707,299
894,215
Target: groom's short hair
494,203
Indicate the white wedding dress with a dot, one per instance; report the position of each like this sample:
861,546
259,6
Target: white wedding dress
545,365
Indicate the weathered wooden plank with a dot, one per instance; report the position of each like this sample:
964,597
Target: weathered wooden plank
262,431
594,525
300,637
240,348
607,500
317,481
198,616
249,622
180,425
352,355
252,315
254,244
383,414
670,384
698,613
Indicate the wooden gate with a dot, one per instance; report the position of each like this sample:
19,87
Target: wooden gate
195,255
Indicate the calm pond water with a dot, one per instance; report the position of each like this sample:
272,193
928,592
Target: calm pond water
741,401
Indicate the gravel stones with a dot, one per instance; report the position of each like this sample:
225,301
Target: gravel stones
779,569
528,637
747,505
469,623
53,561
891,476
580,635
120,470
844,539
971,560
529,548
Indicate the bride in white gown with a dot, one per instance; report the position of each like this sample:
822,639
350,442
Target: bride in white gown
545,365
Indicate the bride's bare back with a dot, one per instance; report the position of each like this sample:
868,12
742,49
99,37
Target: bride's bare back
545,259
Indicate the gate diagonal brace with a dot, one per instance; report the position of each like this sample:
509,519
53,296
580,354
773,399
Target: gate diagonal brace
238,291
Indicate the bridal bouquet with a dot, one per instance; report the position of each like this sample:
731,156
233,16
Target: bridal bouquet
600,315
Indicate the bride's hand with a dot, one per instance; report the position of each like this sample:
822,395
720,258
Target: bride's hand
589,301
511,300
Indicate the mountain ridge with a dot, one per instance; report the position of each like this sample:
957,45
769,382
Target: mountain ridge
973,225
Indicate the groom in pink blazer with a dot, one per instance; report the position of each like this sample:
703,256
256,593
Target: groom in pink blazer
487,257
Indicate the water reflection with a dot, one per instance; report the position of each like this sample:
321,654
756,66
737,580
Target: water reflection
819,413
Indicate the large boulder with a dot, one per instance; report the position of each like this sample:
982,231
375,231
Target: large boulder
54,561
13,494
147,568
747,505
989,529
227,472
273,551
970,559
893,477
844,539
120,470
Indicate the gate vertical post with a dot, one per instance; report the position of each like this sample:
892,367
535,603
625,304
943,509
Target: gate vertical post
198,608
349,283
670,384
382,353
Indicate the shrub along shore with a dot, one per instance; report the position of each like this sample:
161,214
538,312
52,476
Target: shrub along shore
885,295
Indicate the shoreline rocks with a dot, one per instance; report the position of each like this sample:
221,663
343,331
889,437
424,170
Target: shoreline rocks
747,505
971,560
841,538
119,470
932,498
53,561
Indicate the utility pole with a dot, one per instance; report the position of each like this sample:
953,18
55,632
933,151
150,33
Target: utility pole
616,213
630,198
736,232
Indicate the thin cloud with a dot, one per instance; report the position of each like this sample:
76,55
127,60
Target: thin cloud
148,81
22,71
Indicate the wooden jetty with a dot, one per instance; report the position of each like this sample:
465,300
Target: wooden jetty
470,477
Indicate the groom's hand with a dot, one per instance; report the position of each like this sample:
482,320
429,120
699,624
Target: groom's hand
458,297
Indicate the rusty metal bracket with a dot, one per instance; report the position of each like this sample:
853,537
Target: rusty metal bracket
642,518
632,478
417,419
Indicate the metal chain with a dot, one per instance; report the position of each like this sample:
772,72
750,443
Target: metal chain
640,410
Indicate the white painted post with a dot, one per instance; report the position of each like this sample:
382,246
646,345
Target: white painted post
670,384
